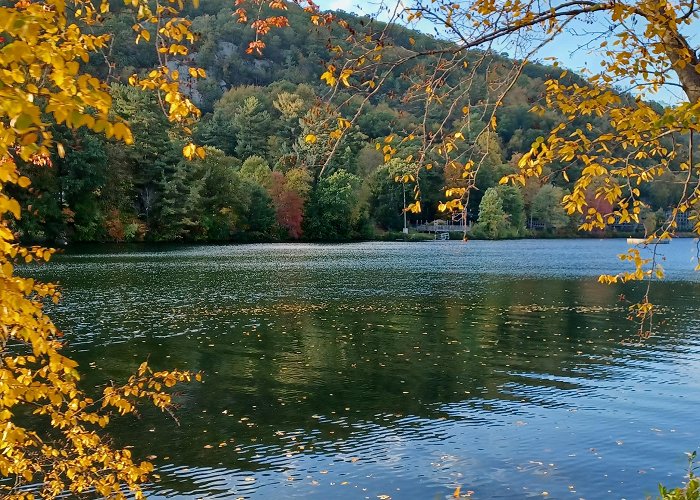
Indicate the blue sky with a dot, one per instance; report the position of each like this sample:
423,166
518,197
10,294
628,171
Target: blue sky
566,49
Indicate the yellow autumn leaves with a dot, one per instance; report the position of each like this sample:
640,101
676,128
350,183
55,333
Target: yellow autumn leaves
41,81
191,151
329,76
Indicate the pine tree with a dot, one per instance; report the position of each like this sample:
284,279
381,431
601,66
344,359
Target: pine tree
252,125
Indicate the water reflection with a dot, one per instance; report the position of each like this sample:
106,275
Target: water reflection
388,369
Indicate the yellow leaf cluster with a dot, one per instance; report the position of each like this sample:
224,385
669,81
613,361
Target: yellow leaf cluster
41,81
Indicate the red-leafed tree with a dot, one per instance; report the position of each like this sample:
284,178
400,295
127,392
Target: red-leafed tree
289,206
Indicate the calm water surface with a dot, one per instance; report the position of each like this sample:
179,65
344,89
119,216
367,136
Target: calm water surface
406,370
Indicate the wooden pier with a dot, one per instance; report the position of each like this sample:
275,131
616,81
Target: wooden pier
435,227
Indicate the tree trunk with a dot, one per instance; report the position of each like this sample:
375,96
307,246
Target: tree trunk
688,75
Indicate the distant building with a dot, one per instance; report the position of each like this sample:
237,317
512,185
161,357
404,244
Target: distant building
682,219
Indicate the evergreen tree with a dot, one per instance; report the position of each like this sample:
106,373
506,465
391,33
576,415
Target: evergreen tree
179,215
493,221
252,125
153,152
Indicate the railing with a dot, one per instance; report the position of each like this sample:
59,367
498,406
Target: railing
628,227
432,227
536,225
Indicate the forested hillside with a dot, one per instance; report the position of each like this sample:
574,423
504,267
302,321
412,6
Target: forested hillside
262,177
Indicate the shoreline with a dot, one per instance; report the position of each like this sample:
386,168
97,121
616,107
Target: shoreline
387,239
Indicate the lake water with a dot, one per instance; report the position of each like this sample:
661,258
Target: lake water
394,370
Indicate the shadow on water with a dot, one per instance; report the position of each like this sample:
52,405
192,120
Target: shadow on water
390,369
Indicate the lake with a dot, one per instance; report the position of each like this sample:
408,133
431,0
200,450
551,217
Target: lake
377,370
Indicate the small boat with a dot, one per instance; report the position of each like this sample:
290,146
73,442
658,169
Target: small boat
645,241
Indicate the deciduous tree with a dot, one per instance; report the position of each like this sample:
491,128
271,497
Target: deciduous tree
546,207
61,448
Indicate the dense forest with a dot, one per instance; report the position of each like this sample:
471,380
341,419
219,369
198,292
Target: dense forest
261,180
